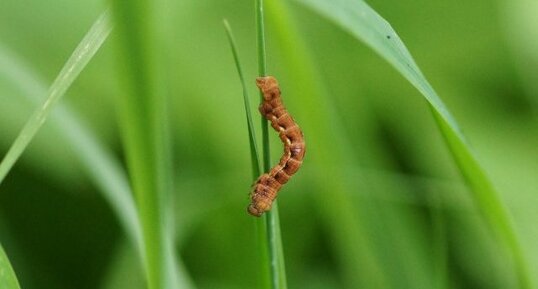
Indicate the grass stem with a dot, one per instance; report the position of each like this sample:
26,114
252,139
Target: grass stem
271,218
143,126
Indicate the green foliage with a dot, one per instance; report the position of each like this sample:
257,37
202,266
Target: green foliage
8,280
143,119
268,226
76,63
365,24
254,155
379,202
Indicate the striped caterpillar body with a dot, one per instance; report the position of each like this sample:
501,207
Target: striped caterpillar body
266,188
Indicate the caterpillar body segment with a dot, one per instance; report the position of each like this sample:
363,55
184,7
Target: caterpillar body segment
265,189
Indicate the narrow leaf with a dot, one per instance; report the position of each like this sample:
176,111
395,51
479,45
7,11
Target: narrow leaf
268,226
99,163
357,255
76,63
254,155
8,280
356,17
143,123
271,218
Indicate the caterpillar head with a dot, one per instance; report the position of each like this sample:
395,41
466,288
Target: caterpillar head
269,86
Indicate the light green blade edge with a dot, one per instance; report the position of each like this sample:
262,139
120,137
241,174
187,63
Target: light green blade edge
359,19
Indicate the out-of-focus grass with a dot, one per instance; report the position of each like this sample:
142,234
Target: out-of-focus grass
98,162
327,143
365,24
76,63
143,117
8,280
400,159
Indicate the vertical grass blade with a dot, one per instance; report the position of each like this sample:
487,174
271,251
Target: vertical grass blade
268,226
75,64
272,219
255,160
8,279
143,123
366,25
262,71
356,252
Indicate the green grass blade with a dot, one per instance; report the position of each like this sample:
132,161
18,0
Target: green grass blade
261,229
355,248
254,155
365,24
272,219
8,279
268,226
486,199
75,64
96,160
99,163
142,107
262,71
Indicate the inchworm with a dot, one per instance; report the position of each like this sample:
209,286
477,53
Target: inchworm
266,188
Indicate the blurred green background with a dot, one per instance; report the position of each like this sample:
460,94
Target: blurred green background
378,188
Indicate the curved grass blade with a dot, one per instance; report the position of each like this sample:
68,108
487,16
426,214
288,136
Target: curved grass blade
268,226
100,165
366,25
8,279
254,155
98,162
356,250
75,64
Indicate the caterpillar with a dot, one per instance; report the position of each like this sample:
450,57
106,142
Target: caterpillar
266,187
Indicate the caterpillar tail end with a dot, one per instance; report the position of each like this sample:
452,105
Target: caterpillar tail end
252,210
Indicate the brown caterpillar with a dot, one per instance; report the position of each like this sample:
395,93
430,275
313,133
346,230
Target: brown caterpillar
266,188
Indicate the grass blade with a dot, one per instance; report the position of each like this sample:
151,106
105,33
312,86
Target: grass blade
262,71
8,280
75,64
100,165
272,219
356,251
255,161
268,226
254,155
142,108
365,24
96,160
